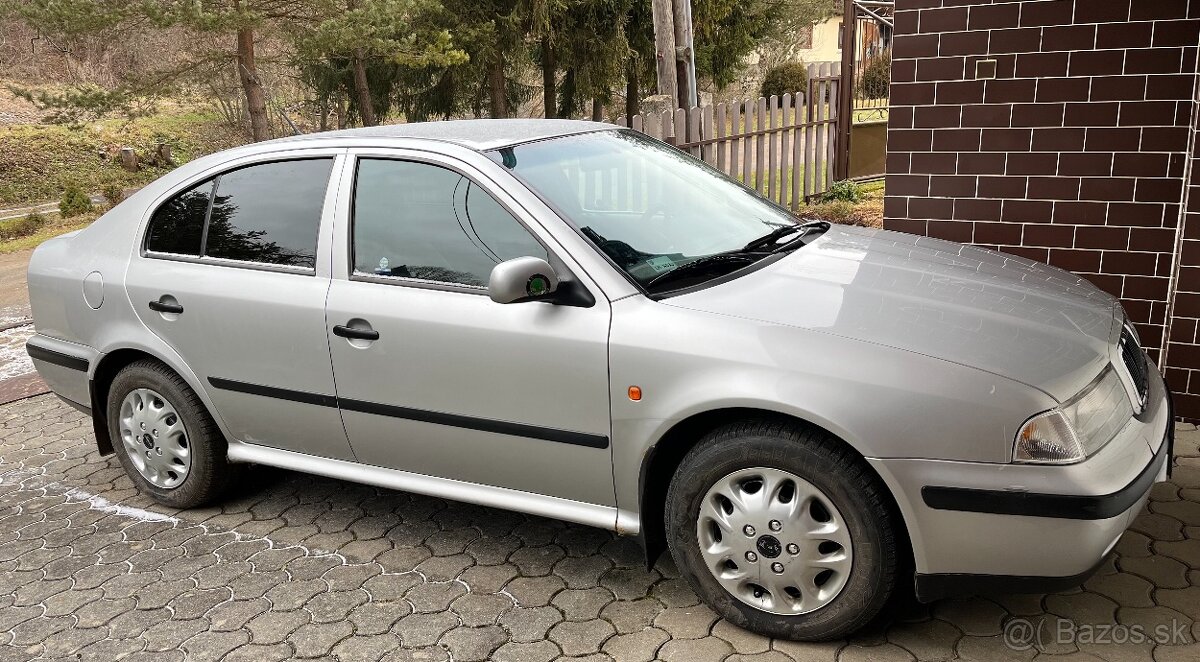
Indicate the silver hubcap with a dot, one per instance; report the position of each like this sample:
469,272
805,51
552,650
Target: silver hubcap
155,439
774,541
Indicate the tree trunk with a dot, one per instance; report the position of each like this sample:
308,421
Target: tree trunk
256,99
633,95
685,73
362,90
549,69
664,47
567,108
597,110
497,87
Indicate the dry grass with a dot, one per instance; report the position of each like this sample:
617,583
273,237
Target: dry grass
867,213
39,161
53,227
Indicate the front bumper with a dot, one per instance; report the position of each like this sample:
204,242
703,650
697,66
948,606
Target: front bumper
983,528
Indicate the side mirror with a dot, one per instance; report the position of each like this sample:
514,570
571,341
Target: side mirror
522,279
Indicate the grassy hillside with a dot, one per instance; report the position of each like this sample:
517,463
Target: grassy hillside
54,225
38,161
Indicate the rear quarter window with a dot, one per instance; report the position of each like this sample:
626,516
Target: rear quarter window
177,227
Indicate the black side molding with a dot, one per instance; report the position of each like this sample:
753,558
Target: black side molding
422,415
936,587
1062,506
57,358
481,424
274,392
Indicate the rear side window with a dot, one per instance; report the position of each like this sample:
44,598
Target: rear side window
268,213
178,226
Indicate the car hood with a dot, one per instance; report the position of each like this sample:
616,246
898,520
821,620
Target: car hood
1006,315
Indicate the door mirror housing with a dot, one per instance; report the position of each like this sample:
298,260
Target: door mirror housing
522,279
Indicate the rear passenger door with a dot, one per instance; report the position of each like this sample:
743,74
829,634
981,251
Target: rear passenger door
229,275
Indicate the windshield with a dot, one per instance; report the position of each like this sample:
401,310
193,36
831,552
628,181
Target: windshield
651,208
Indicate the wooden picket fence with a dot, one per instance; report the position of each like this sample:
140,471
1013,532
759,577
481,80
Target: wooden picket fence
782,148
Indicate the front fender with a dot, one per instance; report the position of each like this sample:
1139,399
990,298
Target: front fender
883,402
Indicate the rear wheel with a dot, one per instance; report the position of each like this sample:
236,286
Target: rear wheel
782,530
166,440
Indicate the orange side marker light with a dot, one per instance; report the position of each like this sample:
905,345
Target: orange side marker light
635,393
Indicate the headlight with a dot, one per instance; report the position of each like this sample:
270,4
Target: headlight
1080,427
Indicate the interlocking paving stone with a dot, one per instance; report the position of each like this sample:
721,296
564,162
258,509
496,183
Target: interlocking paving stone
294,566
686,622
582,604
638,646
1161,571
538,651
695,650
421,630
479,609
926,640
631,615
468,644
1131,588
577,638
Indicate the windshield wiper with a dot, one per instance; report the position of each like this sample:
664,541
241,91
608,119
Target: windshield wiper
782,231
802,239
701,264
771,237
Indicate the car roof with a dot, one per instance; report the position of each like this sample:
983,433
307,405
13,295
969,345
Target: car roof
480,134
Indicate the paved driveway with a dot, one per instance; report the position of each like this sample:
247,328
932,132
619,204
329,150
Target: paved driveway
301,567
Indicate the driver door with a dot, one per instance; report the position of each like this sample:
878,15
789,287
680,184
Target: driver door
435,378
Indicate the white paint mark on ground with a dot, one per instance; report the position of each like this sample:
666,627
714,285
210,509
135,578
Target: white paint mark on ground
30,480
96,502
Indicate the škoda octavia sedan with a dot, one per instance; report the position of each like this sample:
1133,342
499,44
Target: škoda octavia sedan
577,321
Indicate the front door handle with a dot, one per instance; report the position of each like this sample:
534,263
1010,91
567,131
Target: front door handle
355,333
164,307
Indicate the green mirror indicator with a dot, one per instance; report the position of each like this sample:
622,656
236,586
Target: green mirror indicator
537,286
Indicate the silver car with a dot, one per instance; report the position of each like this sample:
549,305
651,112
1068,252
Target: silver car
573,320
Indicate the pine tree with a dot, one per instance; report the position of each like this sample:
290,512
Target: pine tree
370,39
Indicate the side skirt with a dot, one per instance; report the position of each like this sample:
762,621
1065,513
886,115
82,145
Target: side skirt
604,517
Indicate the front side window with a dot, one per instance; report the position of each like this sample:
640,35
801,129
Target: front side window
177,226
268,213
421,221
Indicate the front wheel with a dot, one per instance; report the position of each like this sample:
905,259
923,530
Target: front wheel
165,439
782,530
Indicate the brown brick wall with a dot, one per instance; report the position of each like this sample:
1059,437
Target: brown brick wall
1183,349
1074,154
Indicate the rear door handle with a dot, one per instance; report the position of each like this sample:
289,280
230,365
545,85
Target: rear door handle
355,333
164,307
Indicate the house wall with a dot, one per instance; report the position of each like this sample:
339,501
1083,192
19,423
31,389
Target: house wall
824,44
1075,154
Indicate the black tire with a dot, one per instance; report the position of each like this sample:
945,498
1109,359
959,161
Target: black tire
828,464
210,473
